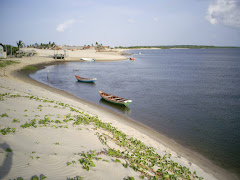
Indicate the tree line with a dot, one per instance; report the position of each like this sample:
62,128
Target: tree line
12,50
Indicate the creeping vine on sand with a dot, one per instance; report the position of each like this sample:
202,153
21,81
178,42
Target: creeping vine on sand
135,155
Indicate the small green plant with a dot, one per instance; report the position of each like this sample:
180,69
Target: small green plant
76,178
130,178
45,121
118,161
29,69
31,124
125,165
86,161
7,130
15,121
41,177
57,121
57,143
8,150
4,115
69,163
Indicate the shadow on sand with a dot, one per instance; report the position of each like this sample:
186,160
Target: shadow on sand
7,163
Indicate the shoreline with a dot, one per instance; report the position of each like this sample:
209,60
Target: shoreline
195,160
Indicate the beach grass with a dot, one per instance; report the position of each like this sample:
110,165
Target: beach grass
29,69
4,63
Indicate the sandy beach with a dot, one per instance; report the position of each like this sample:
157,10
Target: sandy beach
49,132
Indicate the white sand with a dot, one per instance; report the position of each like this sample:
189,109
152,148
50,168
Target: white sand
47,150
78,54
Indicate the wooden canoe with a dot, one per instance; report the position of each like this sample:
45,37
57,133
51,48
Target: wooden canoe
81,79
115,99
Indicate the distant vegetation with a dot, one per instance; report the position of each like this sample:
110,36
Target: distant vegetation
49,45
175,46
4,63
29,69
10,49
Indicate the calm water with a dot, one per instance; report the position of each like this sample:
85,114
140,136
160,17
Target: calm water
190,95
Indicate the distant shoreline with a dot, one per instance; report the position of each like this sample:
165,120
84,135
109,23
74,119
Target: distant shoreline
176,47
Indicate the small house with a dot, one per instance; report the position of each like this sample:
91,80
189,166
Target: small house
2,54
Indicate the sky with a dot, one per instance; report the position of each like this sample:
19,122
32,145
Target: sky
121,22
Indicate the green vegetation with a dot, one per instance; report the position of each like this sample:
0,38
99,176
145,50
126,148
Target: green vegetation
15,121
4,115
4,63
35,177
42,45
20,44
86,161
8,150
134,153
10,49
41,177
31,124
29,69
7,130
76,178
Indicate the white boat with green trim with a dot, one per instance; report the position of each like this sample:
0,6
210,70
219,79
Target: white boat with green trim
88,59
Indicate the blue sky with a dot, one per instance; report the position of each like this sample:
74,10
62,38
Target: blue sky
122,22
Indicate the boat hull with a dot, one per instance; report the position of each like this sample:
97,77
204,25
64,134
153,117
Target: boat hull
87,80
121,104
114,99
87,59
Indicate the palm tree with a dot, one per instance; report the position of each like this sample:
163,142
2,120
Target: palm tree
20,44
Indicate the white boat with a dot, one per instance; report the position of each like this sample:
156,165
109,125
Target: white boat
87,59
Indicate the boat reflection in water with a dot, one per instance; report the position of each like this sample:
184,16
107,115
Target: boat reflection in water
123,109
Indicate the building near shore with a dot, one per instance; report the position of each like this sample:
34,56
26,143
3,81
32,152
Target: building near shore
2,53
72,47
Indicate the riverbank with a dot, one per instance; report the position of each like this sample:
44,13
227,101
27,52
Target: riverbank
50,149
76,55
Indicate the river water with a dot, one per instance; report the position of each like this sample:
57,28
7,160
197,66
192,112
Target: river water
189,95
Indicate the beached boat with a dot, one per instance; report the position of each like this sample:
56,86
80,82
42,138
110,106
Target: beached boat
132,58
81,79
87,59
115,99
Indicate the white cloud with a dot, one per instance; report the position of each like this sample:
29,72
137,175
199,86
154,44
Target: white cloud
130,20
155,19
65,25
226,12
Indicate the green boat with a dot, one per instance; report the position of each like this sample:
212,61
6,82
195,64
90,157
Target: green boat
115,99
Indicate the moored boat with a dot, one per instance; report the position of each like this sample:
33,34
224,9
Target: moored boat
81,79
132,58
115,99
87,59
